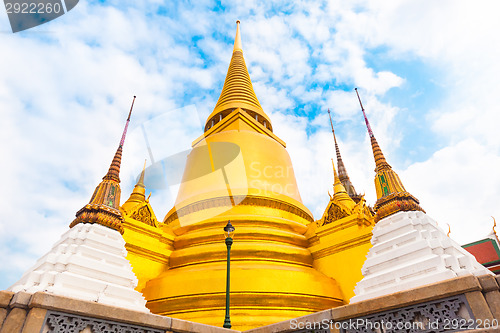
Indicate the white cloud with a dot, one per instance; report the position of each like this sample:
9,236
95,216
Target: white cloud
458,185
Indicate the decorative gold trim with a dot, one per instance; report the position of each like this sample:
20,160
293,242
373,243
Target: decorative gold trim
148,254
243,200
396,202
100,214
331,228
352,243
243,300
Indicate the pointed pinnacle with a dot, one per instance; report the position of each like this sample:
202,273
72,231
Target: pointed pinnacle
140,182
337,184
237,39
364,114
343,176
122,141
114,169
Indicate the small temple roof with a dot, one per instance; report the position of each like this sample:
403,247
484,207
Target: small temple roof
238,90
392,197
340,194
487,250
138,195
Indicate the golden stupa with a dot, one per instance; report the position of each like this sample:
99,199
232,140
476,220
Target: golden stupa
284,264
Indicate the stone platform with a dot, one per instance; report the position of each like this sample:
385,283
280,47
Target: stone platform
470,299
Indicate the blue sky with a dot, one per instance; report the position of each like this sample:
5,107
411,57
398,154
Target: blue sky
428,77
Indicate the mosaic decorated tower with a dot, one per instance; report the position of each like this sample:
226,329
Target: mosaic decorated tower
89,261
409,249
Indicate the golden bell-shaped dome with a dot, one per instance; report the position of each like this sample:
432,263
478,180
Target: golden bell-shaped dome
239,170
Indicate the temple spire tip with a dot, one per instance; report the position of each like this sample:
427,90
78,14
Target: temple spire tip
364,114
140,182
237,39
342,172
122,141
392,197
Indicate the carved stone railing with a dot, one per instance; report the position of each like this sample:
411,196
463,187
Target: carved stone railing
60,322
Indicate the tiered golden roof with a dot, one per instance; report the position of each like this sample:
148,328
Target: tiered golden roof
392,197
138,194
137,207
342,204
104,206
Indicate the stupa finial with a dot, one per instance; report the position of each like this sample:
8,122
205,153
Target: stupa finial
104,205
341,200
364,114
122,141
138,195
140,182
344,177
380,162
237,39
237,91
114,168
391,194
336,179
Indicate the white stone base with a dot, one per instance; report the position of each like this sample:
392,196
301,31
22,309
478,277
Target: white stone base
87,263
410,250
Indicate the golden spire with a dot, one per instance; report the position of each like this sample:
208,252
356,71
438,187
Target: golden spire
391,194
140,182
340,194
341,204
344,177
138,195
114,168
103,207
237,39
238,90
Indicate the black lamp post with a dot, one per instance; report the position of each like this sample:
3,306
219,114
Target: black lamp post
228,231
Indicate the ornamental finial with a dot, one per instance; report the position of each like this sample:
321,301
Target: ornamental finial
104,205
364,114
122,141
114,168
343,176
237,39
392,197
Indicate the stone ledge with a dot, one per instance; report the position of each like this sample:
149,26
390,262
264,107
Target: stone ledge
96,310
179,325
20,300
69,305
400,299
286,326
5,297
488,283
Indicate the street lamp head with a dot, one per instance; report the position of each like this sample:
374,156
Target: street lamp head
229,229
